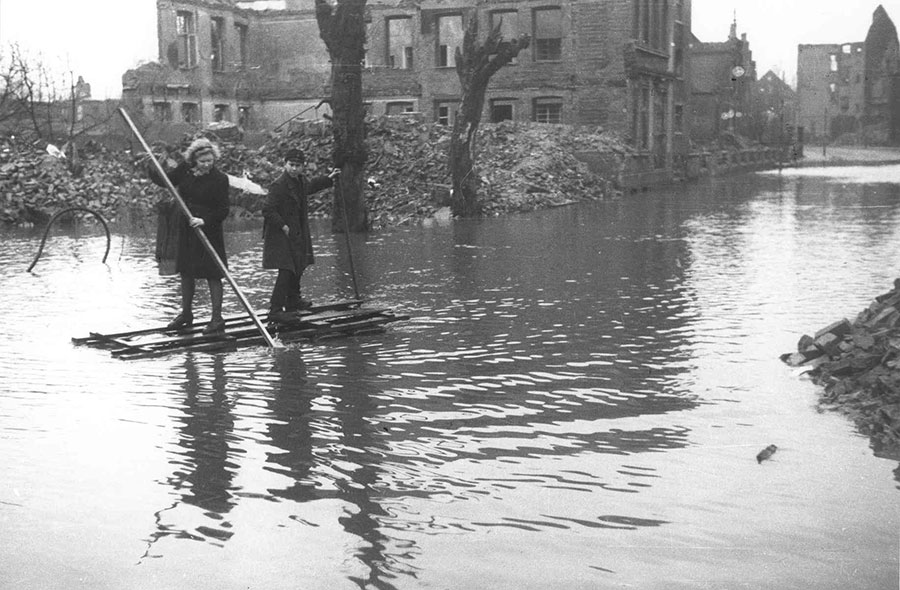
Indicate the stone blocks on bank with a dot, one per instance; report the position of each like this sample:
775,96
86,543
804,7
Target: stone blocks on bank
858,364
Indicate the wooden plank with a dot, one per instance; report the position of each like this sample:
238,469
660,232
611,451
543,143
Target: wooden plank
328,321
235,320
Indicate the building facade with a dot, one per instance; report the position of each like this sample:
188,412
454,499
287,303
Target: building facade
851,89
776,103
620,64
723,80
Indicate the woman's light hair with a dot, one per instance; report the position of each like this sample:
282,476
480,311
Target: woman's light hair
199,147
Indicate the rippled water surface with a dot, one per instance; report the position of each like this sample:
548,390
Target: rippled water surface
576,402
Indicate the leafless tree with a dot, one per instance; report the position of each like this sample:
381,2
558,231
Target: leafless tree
343,29
476,62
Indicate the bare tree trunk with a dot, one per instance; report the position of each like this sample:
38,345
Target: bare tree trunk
342,28
475,64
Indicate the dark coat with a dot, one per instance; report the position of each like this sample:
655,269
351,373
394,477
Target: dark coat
207,198
287,204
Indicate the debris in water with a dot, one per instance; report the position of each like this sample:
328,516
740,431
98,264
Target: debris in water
766,453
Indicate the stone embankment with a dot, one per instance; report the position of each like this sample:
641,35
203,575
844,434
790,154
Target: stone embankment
858,364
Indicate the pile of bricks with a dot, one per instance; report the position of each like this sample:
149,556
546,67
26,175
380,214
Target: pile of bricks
858,364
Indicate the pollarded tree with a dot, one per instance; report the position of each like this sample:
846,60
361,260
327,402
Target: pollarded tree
475,64
343,29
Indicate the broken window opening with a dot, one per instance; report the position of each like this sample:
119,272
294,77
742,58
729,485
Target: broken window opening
509,25
186,30
221,112
162,111
399,108
445,112
241,31
501,110
190,112
399,43
217,37
449,37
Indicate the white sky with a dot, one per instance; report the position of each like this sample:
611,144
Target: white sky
100,39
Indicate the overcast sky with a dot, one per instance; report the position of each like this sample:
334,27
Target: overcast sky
100,39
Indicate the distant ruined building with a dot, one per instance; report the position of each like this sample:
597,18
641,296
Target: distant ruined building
723,80
851,91
620,64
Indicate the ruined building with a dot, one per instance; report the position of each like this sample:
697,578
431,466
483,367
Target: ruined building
723,79
776,105
852,89
620,64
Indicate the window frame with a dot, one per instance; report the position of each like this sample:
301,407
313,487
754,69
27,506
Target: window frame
451,106
221,112
547,48
445,54
502,102
500,12
187,110
407,54
163,108
242,32
186,34
408,105
556,102
217,43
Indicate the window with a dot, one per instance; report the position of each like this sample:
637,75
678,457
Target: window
833,62
650,23
241,33
548,110
508,21
445,112
547,34
640,125
162,111
186,31
398,108
217,37
449,37
190,113
660,99
501,110
221,112
845,48
399,43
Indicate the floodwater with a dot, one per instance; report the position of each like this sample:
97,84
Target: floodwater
577,401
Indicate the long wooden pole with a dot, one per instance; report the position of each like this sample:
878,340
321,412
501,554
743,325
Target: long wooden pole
200,233
347,236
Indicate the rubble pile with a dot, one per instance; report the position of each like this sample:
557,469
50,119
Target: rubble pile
35,184
858,364
521,167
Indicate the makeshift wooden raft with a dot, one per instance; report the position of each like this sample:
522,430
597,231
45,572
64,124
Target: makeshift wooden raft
343,318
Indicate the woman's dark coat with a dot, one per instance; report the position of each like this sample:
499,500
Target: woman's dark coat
287,204
207,198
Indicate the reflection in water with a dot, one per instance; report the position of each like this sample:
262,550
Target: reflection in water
345,451
205,466
290,429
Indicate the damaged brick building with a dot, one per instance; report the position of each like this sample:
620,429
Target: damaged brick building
852,90
620,64
723,80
